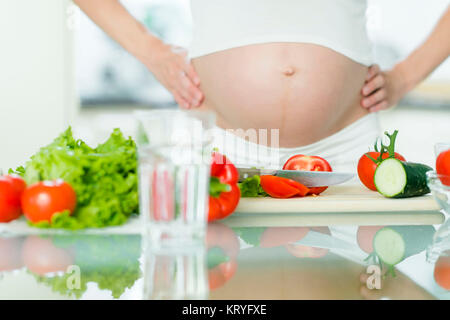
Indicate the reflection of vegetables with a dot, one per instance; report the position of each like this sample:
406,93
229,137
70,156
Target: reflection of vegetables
224,191
251,188
443,166
364,237
395,243
397,179
42,200
278,236
110,261
223,249
249,235
11,188
442,272
301,251
41,256
104,178
279,187
369,161
308,163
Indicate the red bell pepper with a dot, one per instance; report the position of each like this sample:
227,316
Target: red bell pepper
224,190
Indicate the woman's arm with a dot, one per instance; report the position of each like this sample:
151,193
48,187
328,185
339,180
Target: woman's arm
384,89
171,68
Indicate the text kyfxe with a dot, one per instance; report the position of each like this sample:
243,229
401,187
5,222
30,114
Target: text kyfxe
230,309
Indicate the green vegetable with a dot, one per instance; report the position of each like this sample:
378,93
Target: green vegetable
111,261
397,179
251,188
395,243
104,179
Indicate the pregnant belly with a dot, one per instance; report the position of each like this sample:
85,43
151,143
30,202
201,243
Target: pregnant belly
305,91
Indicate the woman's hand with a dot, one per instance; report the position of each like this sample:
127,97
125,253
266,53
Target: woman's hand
171,67
382,90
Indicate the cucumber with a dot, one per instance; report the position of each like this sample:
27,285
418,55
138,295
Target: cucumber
397,179
393,244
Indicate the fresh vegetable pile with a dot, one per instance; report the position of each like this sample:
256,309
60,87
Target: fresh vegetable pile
74,186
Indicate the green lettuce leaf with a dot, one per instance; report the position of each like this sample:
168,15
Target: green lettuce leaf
104,179
251,188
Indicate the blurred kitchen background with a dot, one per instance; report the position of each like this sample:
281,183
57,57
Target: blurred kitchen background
57,68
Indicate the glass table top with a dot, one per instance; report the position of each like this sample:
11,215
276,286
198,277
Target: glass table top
235,262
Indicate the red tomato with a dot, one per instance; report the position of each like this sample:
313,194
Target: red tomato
224,205
442,272
41,256
364,237
308,163
42,200
366,167
11,188
278,236
279,187
301,251
443,166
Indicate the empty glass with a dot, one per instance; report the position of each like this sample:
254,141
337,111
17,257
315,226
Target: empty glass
174,150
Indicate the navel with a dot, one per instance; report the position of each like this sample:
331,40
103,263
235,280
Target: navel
290,71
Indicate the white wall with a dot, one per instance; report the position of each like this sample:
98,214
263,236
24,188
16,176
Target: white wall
37,97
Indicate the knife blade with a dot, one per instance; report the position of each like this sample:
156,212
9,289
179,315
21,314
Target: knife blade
307,178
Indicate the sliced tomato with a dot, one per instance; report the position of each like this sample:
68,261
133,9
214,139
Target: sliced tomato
308,163
279,187
443,167
366,167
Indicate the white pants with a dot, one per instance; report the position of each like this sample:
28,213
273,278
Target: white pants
342,149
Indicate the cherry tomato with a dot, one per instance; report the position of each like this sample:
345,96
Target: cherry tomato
366,167
443,166
11,188
42,200
308,163
279,187
41,256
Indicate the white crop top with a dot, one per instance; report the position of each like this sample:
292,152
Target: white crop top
336,24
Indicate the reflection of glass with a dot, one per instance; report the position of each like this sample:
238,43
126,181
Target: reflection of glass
175,274
174,150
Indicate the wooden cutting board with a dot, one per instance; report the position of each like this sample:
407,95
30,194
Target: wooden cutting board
339,205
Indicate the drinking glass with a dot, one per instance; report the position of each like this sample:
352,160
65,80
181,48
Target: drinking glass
174,151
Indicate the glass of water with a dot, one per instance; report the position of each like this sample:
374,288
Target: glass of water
174,151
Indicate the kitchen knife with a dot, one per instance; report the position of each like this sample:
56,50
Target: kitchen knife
307,178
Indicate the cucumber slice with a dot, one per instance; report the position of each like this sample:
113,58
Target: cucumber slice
397,179
395,243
